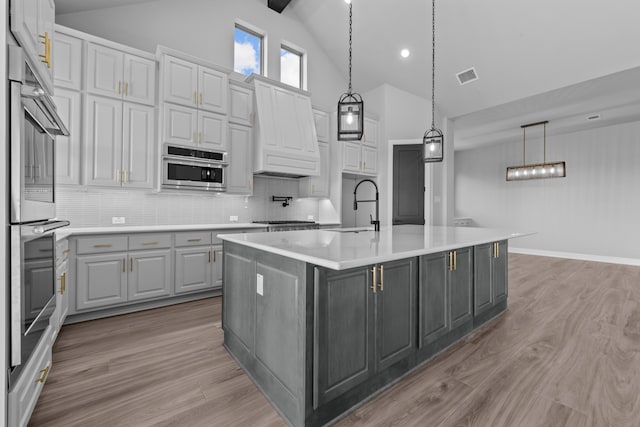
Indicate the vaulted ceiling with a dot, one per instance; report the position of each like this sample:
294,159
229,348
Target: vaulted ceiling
544,60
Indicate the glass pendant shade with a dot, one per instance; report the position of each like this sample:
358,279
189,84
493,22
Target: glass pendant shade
350,117
432,146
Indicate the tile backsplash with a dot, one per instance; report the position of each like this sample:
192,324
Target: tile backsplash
95,207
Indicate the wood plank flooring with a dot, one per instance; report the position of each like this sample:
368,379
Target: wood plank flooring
566,353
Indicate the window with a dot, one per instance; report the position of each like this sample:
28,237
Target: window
248,51
291,67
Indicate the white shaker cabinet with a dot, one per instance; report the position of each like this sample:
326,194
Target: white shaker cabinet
67,167
240,104
193,85
240,169
32,23
361,157
322,123
120,75
68,59
317,186
119,142
191,127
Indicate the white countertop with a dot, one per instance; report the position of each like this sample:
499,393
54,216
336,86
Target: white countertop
338,249
67,231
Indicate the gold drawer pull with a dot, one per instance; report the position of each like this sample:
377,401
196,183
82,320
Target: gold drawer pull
66,251
102,245
210,257
194,240
375,279
455,260
200,98
126,89
64,282
382,278
195,101
450,261
150,243
44,373
131,263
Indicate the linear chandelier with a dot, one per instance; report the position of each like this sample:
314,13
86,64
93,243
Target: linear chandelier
537,170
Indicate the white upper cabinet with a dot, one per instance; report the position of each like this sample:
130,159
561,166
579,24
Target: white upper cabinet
180,81
116,74
67,165
138,144
317,186
361,157
212,87
68,59
212,130
322,123
180,125
193,85
32,23
240,170
240,105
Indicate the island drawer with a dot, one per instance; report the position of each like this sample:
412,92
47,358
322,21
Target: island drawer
94,245
149,241
198,238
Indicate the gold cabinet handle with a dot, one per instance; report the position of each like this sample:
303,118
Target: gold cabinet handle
64,282
66,251
46,58
131,264
200,137
214,256
119,87
194,240
195,137
60,278
209,257
102,245
150,243
382,278
195,101
118,176
497,249
495,253
200,98
44,373
126,89
450,261
124,265
375,279
124,176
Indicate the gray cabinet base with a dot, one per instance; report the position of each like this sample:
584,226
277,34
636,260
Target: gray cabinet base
489,314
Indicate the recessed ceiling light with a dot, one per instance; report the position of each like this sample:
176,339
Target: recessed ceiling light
405,53
347,1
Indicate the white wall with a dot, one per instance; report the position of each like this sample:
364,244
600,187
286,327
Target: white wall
204,28
593,211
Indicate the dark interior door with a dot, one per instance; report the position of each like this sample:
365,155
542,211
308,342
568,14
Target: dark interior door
408,184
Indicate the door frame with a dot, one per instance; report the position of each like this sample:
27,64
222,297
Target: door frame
428,180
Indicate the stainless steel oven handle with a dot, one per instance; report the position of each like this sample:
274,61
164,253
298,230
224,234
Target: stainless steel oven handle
45,103
49,226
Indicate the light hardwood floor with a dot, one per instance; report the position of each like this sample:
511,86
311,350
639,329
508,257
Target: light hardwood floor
567,353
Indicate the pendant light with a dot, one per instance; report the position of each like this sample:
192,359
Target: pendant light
538,170
350,105
433,140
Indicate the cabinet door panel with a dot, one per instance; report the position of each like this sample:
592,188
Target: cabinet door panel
240,105
321,121
193,269
370,136
37,285
395,312
217,267
105,71
149,274
137,160
67,166
140,79
213,86
180,125
240,169
482,294
180,81
434,298
288,133
101,280
317,186
351,158
68,59
46,24
369,160
212,130
500,273
239,298
343,349
461,282
103,141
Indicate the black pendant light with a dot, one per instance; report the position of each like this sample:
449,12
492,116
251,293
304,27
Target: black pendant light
350,105
433,139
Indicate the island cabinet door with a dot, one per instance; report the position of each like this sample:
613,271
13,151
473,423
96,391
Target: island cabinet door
482,277
461,286
434,319
343,337
395,311
500,273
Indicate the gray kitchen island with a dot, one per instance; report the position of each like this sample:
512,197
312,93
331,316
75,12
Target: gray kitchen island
322,319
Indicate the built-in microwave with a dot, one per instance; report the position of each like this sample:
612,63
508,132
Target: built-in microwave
193,169
34,123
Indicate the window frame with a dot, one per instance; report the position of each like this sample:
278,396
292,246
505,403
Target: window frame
256,32
302,53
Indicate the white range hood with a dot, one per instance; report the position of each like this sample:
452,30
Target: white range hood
285,139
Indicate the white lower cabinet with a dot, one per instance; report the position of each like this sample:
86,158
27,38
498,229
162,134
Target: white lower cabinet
149,274
102,280
198,263
24,394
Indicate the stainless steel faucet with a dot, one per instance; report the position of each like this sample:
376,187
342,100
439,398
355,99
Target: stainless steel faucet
376,222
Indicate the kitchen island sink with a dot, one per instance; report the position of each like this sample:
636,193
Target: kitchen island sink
321,327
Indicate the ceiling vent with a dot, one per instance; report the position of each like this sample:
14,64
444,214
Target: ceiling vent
467,76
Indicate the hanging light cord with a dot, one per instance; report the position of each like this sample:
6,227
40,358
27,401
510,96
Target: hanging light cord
433,64
524,146
350,33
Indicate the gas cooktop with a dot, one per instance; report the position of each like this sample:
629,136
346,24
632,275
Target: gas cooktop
288,221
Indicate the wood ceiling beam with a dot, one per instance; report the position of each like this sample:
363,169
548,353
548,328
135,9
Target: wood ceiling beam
278,5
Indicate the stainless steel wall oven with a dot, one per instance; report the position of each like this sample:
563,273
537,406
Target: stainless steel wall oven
187,168
34,124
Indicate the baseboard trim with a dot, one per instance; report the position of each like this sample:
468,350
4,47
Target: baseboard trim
571,255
